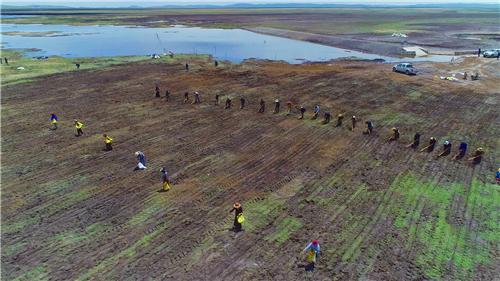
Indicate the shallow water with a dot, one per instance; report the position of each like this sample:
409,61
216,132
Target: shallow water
225,44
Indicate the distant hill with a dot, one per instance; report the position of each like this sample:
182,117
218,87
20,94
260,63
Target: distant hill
107,5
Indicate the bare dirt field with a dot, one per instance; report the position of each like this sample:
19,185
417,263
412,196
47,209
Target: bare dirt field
363,29
381,211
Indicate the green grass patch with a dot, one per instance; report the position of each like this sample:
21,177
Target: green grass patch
38,273
34,68
446,247
106,266
9,250
284,229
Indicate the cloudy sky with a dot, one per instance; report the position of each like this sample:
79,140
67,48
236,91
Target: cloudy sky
156,2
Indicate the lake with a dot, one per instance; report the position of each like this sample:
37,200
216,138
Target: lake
234,45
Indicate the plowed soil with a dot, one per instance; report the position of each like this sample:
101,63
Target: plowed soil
381,211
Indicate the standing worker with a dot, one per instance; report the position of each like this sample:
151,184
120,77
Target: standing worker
446,149
216,99
430,147
238,214
312,251
395,135
186,97
316,112
53,121
328,116
242,102
79,127
197,99
6,61
289,107
497,177
165,179
302,111
276,106
353,122
416,141
262,106
187,67
108,143
157,91
167,95
340,117
369,127
228,103
216,63
479,53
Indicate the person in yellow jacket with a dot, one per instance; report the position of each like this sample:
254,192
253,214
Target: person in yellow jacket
79,127
53,121
108,143
165,179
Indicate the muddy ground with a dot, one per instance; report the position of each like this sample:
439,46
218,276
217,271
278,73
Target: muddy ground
441,31
381,211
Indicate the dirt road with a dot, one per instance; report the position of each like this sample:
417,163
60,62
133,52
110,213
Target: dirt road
381,211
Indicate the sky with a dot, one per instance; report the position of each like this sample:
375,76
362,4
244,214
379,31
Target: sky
181,2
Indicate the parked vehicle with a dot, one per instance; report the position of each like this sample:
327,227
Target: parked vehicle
406,68
491,53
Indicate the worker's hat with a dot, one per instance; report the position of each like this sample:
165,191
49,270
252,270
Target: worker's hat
137,153
276,100
394,129
315,242
480,149
354,116
432,138
237,205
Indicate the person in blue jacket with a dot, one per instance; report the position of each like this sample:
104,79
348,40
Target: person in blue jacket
54,120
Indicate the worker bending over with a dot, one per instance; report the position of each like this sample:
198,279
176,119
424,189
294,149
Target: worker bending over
478,156
416,141
328,116
462,150
395,135
186,97
446,149
369,127
431,146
